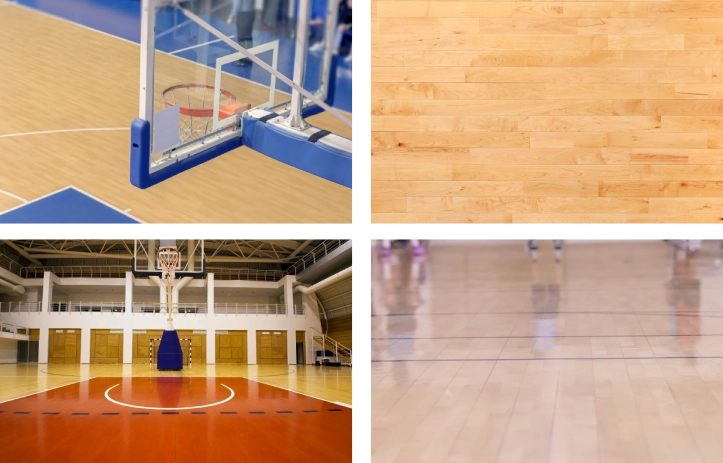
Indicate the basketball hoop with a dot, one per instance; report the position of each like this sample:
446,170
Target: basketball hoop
196,108
168,258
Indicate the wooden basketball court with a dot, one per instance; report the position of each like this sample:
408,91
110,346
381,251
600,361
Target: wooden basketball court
547,111
65,79
612,353
135,413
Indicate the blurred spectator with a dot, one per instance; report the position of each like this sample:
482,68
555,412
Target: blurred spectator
244,13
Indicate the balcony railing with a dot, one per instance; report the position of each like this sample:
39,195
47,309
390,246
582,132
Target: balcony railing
78,271
9,307
156,307
315,254
84,306
222,273
254,309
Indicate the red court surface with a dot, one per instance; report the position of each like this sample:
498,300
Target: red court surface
261,423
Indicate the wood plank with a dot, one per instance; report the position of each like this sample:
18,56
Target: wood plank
691,9
707,173
635,26
547,74
646,42
551,58
403,91
439,58
549,156
569,218
454,139
407,189
676,156
419,42
542,107
412,9
471,218
387,58
501,25
499,173
597,9
461,25
672,189
575,188
538,42
680,206
589,123
390,204
381,217
564,91
420,155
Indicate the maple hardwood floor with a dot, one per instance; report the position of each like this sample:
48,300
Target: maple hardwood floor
544,111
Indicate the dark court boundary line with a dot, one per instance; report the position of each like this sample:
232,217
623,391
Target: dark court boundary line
558,336
549,358
429,314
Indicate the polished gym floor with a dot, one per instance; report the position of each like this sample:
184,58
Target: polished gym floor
614,353
209,413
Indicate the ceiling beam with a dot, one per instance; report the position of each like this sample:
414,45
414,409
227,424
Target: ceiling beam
22,252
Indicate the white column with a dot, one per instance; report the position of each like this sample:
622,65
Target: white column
47,291
251,340
85,345
290,331
43,345
127,318
211,325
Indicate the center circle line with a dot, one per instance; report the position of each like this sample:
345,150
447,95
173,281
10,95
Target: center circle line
107,396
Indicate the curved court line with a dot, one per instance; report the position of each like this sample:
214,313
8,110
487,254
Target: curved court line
161,408
13,196
22,134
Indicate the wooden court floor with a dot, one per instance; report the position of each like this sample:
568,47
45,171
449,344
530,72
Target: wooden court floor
613,354
60,76
134,413
547,111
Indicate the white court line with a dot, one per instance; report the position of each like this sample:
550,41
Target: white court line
196,46
162,408
77,189
107,204
45,390
22,134
13,196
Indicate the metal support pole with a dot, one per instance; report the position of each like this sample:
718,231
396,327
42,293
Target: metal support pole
148,38
332,14
295,120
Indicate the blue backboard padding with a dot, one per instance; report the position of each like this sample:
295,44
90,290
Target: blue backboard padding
315,158
170,355
66,206
141,156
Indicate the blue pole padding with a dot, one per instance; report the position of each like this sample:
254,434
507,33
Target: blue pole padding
297,151
170,355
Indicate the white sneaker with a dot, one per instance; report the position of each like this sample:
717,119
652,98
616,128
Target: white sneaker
317,47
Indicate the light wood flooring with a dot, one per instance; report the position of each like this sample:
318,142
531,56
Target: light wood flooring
57,75
330,384
613,354
547,111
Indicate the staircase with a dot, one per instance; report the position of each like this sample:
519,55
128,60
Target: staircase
325,343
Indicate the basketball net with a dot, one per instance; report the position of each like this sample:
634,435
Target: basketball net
168,259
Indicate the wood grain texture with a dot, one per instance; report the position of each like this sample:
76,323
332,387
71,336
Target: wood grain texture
547,111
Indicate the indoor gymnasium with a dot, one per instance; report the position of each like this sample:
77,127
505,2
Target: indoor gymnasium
547,351
176,350
211,111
